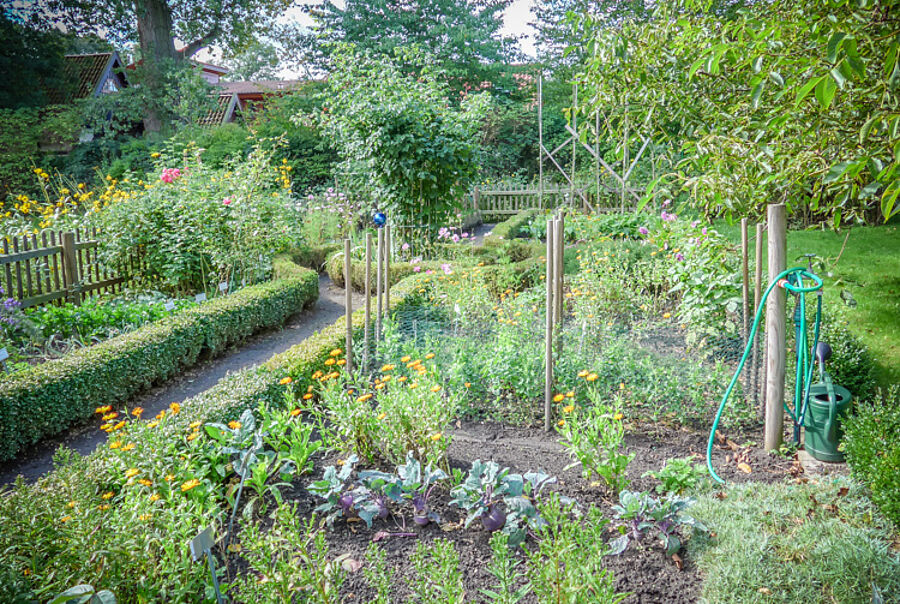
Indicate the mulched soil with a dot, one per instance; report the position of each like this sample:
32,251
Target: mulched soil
643,571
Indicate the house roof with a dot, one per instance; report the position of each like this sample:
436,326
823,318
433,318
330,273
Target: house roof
210,67
226,105
86,75
259,87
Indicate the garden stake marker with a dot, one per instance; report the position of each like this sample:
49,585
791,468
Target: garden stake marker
348,307
368,289
202,545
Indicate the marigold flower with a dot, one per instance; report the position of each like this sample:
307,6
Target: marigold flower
405,359
381,416
667,315
131,472
119,426
592,377
154,497
190,484
234,425
65,519
145,482
387,368
329,362
137,411
618,416
570,394
145,517
468,384
413,385
341,362
286,380
412,364
103,507
194,425
436,388
401,379
568,408
379,386
429,356
386,378
129,447
71,504
192,436
583,373
108,495
307,396
364,397
336,352
559,398
317,375
161,414
103,409
153,424
295,412
622,386
175,407
115,444
436,436
110,416
561,423
170,477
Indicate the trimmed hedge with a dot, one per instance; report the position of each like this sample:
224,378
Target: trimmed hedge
511,228
313,257
47,399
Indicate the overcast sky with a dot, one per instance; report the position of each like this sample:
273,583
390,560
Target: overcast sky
515,22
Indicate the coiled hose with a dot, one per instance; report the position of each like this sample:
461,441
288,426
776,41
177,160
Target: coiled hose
792,281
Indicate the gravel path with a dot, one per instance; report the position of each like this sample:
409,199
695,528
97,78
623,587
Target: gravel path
38,460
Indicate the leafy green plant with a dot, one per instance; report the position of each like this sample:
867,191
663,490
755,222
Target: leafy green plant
678,475
416,486
643,513
334,489
566,564
594,437
486,485
437,575
509,587
872,446
379,575
84,594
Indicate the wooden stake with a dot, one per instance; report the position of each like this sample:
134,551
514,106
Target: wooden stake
548,336
379,280
71,277
745,274
387,270
775,328
368,290
540,107
348,307
559,243
757,293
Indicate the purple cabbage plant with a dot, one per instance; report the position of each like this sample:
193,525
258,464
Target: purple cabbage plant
642,514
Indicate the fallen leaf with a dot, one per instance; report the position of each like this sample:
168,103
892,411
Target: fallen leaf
381,535
745,468
765,591
351,565
843,491
721,495
678,561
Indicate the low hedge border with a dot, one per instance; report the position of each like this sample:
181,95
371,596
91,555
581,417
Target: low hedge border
47,399
511,228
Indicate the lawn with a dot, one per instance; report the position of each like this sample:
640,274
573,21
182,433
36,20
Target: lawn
869,269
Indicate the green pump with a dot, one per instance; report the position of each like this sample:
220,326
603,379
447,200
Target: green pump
817,407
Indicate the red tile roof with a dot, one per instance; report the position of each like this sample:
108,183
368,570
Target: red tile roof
86,74
226,105
259,86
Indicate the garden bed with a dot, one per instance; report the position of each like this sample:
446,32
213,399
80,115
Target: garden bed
645,572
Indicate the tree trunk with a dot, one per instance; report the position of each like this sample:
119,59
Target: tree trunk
154,21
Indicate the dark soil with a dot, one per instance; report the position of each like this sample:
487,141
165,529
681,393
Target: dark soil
643,571
38,459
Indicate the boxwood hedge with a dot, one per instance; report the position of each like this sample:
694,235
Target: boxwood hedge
47,399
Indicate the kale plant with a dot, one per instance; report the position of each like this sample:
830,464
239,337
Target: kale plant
643,513
483,489
333,488
416,486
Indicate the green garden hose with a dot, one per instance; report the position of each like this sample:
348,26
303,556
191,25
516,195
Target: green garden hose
792,281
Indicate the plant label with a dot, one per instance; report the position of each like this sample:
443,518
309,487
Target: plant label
201,544
200,298
3,355
223,286
170,306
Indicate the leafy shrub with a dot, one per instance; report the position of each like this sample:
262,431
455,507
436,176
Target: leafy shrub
48,398
511,228
678,476
872,446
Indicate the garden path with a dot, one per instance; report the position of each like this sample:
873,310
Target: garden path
255,350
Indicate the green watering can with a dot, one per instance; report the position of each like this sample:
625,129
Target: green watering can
827,405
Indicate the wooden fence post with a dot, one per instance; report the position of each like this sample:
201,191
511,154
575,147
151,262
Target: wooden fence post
775,328
71,278
368,289
548,336
387,270
348,306
379,281
757,293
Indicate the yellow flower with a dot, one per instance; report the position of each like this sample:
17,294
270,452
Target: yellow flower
468,384
667,315
128,447
161,414
154,497
119,426
413,385
622,386
175,407
110,416
137,411
561,423
570,394
436,388
583,373
568,408
71,504
364,397
115,444
108,495
386,378
405,359
430,355
592,377
190,484
341,362
329,362
234,425
307,396
170,477
153,424
194,425
618,416
336,352
192,436
401,379
286,380
154,155
144,517
103,409
379,386
145,482
412,364
387,368
317,375
436,436
381,416
131,472
559,398
295,412
65,519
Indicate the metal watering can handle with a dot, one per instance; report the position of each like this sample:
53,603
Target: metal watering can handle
831,424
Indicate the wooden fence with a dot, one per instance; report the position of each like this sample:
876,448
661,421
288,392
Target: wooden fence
513,199
57,265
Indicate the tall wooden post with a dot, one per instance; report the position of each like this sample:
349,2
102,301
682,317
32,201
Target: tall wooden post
368,290
559,243
72,280
548,335
348,306
757,294
745,274
540,104
387,270
379,280
775,329
574,143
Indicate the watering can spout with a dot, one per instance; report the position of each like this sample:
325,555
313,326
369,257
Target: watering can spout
823,353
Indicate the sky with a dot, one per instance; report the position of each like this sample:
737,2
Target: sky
515,22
